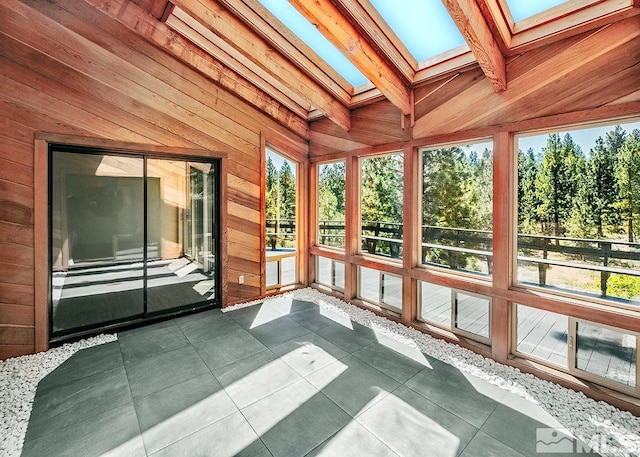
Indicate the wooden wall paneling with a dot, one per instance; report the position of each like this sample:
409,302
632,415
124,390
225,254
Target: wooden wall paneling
198,59
72,87
129,79
85,74
13,314
17,200
34,117
124,42
372,125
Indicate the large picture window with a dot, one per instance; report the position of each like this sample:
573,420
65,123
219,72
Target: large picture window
281,220
578,210
331,204
457,207
381,189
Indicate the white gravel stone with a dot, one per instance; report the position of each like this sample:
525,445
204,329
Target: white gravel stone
610,431
19,378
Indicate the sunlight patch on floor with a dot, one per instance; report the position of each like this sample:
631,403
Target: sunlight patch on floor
409,351
336,317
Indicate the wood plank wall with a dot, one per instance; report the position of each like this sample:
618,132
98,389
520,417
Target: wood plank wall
69,68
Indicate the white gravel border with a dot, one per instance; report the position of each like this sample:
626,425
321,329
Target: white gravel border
19,378
609,430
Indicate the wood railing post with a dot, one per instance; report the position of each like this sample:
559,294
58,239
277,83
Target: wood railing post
542,267
604,275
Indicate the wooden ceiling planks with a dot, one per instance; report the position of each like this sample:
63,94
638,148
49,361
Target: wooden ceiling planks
250,51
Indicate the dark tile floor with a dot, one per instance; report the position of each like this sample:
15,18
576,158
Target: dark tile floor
282,379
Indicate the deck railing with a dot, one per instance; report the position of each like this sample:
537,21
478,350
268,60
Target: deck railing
544,251
454,245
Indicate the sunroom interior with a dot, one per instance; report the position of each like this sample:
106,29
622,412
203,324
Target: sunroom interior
469,169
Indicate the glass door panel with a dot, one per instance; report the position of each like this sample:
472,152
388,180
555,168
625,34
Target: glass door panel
180,224
97,239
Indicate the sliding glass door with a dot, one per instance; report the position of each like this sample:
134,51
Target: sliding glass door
131,236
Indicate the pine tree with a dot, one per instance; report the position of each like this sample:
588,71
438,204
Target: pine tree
528,199
627,172
287,183
557,182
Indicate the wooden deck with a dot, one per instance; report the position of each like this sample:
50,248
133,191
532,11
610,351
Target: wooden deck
541,334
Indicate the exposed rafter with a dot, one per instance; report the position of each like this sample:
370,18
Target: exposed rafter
333,25
471,23
217,23
378,33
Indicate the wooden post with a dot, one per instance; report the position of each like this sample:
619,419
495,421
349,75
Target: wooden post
504,169
542,267
604,275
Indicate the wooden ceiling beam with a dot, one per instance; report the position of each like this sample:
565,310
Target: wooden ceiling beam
474,28
227,32
337,29
380,35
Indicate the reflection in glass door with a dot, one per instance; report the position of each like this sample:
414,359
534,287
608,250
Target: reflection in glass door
181,259
131,237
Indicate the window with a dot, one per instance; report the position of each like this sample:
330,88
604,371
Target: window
542,334
381,193
281,217
380,288
605,352
457,207
331,204
578,210
461,312
330,273
592,351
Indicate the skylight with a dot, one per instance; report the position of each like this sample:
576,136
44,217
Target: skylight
308,33
424,26
523,9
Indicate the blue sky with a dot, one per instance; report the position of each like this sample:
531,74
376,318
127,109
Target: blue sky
306,31
521,9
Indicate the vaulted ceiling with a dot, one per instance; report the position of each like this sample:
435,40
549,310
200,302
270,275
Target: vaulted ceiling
248,50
